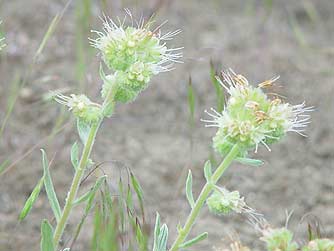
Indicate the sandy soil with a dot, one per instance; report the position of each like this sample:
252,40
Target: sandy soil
151,135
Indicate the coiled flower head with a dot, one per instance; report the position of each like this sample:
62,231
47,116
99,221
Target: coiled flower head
251,118
223,202
279,239
135,54
81,107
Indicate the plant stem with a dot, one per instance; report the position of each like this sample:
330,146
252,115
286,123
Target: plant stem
206,190
76,183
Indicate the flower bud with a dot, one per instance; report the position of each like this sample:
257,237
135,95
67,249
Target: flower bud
223,202
280,239
135,54
251,118
81,107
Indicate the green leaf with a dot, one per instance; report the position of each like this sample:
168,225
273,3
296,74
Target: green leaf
162,239
251,162
195,240
90,194
47,243
75,155
31,200
49,188
83,130
108,109
207,170
189,189
156,232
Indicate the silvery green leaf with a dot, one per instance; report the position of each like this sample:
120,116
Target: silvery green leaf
156,232
47,243
49,188
31,200
163,237
195,240
83,130
189,190
207,170
251,162
75,155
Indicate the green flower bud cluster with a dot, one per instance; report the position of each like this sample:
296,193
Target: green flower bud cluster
134,54
81,107
320,245
223,202
280,239
251,118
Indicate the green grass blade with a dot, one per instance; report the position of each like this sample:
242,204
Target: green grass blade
31,200
90,195
218,88
139,192
47,35
49,188
47,237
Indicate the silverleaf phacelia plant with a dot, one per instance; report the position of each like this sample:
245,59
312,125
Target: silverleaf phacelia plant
250,118
133,54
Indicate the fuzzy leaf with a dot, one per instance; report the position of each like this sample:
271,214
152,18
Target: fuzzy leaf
156,232
251,162
83,130
162,239
75,155
189,190
195,240
47,243
49,188
207,170
31,200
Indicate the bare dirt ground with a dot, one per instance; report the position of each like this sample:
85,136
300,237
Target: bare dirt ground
151,135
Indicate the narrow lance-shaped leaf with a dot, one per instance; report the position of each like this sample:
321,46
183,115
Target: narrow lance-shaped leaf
251,162
195,240
47,243
75,155
207,171
31,200
49,188
83,130
156,232
162,239
189,190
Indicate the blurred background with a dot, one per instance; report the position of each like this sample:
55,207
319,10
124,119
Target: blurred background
48,49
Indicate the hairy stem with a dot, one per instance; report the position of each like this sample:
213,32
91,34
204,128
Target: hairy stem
75,183
206,190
